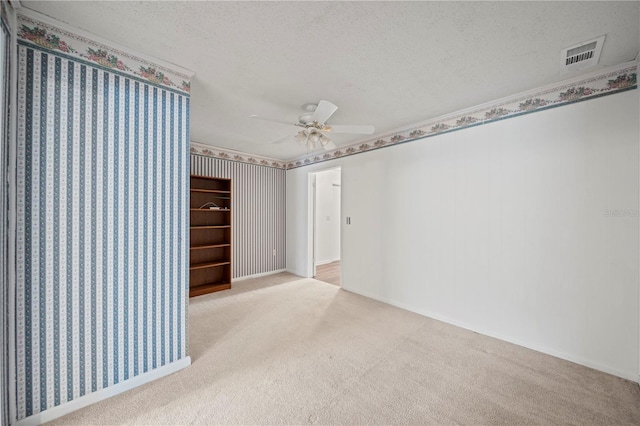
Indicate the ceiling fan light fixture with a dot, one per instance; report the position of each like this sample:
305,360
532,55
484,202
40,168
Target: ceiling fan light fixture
301,137
314,138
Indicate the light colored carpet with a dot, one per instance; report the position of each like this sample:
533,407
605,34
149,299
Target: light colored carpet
286,350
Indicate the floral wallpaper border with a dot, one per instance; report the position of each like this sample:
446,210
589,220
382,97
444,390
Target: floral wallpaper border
42,34
604,82
228,154
607,83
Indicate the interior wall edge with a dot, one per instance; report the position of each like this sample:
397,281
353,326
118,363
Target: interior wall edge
13,95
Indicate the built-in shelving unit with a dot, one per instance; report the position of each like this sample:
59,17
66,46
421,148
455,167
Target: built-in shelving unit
210,235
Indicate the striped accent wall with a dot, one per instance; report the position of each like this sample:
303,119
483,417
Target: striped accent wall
5,50
258,213
102,239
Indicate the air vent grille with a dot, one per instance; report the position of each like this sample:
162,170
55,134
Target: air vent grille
583,55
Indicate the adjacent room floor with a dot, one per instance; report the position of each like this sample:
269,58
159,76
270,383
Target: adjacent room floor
329,273
287,350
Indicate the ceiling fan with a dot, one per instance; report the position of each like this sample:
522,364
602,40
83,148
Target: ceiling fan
314,127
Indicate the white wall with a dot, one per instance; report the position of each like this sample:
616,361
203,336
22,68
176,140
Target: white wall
502,229
327,216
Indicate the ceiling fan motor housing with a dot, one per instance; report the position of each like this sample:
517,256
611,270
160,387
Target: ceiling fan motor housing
309,107
306,118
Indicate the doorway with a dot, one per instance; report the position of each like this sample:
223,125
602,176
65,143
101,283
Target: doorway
326,201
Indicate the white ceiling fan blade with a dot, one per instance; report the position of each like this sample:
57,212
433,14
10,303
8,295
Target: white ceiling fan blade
360,130
329,146
259,117
324,110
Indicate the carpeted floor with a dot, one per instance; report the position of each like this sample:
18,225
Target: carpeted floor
286,350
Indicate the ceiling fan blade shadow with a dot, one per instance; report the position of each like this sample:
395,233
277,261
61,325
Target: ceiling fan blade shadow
284,139
324,110
355,129
273,120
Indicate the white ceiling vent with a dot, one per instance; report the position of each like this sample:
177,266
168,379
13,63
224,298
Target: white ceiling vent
581,56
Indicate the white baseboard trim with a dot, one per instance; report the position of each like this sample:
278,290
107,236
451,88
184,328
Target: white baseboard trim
632,376
262,274
298,273
324,262
76,404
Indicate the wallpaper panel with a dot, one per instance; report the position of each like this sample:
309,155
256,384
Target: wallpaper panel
102,218
258,213
4,217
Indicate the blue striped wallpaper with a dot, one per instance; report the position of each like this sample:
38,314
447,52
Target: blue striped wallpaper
5,50
102,241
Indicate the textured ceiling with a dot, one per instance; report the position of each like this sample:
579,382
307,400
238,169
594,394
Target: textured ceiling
389,64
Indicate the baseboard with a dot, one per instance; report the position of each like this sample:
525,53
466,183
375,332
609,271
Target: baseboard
76,404
294,272
325,262
262,274
539,348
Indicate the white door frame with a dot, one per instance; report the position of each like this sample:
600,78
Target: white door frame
311,219
312,225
